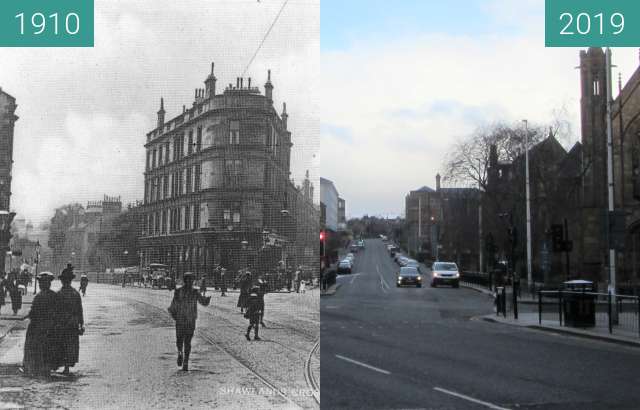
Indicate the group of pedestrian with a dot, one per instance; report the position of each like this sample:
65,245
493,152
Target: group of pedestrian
56,323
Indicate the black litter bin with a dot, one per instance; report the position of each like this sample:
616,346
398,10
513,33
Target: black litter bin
579,306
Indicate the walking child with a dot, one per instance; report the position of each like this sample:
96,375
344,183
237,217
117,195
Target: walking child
253,313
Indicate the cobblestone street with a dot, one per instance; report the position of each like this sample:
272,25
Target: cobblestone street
127,356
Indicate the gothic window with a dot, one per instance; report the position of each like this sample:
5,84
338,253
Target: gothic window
199,139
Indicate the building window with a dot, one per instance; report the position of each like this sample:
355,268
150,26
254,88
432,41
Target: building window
196,216
227,215
189,180
233,171
165,186
160,156
190,141
148,159
234,132
187,217
199,140
196,177
166,152
236,217
153,159
164,221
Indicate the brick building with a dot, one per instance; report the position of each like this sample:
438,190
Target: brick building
217,182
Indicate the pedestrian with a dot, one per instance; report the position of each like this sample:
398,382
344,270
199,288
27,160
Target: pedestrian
16,295
4,283
203,285
84,281
303,285
40,344
262,290
296,280
245,288
223,281
70,321
289,279
253,312
184,310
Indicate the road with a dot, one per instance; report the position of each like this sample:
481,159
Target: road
385,347
128,356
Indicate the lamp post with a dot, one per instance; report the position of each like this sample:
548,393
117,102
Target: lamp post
124,274
528,198
35,279
244,244
287,232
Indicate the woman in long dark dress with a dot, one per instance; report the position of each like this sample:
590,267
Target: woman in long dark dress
245,287
39,346
3,288
16,296
70,321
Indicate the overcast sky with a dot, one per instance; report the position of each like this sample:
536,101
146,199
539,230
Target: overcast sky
84,113
400,83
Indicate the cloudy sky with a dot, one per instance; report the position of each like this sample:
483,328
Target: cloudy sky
400,83
84,113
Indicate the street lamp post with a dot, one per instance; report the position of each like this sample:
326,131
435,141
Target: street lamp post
35,279
124,274
528,197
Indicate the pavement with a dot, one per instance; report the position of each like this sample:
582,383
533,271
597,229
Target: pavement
390,348
128,358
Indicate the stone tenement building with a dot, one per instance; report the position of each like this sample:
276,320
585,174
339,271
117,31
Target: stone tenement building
8,119
217,182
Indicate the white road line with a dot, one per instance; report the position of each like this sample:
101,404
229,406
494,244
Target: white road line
368,366
354,278
471,399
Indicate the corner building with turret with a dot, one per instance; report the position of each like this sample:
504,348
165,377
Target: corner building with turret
217,182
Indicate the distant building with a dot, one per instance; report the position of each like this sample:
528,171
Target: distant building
342,216
329,197
8,119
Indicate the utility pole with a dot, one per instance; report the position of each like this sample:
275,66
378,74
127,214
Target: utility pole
481,247
419,223
526,154
612,252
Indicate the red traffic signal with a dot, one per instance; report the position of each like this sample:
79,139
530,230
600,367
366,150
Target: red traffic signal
322,236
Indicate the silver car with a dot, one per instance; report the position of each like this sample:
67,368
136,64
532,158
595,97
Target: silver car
445,273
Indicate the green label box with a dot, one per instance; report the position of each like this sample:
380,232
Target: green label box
46,23
592,23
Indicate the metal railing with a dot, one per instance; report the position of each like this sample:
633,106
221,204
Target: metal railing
621,317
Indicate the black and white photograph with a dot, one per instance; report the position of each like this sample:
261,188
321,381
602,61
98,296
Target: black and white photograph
159,210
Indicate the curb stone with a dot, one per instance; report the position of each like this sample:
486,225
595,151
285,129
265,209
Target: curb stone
568,332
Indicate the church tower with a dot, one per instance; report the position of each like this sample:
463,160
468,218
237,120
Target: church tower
593,105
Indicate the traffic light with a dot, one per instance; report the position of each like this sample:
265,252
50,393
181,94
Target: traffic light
322,240
557,238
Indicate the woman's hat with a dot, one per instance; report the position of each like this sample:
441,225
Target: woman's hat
45,276
67,274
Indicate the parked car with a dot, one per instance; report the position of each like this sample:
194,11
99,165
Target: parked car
351,257
344,266
354,248
446,273
409,275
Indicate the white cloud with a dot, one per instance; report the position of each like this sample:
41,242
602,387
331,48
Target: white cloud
405,101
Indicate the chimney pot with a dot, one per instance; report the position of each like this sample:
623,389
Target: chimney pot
249,83
241,81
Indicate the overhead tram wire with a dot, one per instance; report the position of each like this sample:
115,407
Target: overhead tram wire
275,20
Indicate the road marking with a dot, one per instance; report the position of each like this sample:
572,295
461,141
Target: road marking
354,278
368,366
471,399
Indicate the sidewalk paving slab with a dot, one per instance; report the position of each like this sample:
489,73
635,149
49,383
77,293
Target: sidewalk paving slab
530,320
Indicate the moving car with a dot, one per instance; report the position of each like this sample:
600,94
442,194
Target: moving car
344,266
354,247
412,263
409,275
446,273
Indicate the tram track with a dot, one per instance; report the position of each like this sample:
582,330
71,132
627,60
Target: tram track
310,379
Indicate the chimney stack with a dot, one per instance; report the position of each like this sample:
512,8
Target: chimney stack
249,83
210,84
285,116
161,113
268,88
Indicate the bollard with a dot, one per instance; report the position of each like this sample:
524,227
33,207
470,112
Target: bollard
539,307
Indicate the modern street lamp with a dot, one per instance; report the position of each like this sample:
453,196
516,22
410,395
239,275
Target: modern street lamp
124,274
528,198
